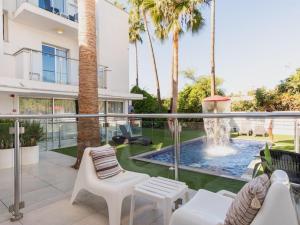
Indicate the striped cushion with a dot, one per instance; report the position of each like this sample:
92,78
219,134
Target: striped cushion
248,202
105,162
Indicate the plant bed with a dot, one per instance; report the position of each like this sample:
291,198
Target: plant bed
28,141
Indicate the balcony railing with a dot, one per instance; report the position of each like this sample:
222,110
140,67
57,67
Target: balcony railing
39,66
174,146
64,8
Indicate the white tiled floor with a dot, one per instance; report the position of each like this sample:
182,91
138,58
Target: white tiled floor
46,190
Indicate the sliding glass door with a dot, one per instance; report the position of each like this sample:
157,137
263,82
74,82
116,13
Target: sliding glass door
60,5
61,66
55,64
48,64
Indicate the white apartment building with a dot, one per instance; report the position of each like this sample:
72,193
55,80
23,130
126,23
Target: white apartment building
39,59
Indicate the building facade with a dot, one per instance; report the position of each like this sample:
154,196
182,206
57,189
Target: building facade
39,57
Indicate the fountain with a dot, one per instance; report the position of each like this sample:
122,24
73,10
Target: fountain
217,129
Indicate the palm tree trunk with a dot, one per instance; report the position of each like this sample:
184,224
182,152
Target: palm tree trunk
175,71
213,28
153,61
88,128
172,72
136,64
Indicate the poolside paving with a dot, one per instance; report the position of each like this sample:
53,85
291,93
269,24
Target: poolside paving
46,190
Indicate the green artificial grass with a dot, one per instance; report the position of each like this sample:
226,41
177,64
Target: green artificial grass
195,180
281,142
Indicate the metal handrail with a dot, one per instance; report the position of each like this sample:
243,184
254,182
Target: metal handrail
105,68
291,115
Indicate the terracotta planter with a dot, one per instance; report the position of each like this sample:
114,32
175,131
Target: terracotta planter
30,155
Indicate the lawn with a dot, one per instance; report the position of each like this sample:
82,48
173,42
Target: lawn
281,142
161,138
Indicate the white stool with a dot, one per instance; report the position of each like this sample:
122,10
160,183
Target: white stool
162,191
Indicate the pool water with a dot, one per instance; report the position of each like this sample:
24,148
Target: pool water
193,155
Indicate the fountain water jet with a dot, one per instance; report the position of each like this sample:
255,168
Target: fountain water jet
217,129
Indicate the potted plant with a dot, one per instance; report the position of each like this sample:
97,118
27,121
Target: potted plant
29,142
6,144
265,165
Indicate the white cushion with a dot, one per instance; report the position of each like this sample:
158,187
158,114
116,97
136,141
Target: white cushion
199,210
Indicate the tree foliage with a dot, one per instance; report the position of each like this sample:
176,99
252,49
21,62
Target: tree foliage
290,85
136,25
243,106
284,97
174,18
191,97
148,105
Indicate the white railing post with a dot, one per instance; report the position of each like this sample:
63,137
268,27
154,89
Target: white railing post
297,138
177,130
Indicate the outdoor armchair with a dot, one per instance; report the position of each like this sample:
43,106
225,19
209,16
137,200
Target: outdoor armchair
208,208
134,139
113,189
286,161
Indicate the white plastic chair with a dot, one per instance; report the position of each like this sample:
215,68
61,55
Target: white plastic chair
208,208
245,128
259,130
113,189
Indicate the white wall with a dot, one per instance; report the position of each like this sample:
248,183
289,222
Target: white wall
9,5
113,43
280,126
7,104
1,29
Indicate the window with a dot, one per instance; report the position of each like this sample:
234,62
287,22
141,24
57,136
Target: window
5,26
102,73
55,66
102,107
115,107
44,106
55,6
35,105
65,8
64,106
60,5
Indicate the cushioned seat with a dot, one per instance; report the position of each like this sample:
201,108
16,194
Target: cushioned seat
208,208
199,208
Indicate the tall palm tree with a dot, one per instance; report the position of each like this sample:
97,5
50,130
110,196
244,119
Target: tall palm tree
88,128
139,4
136,27
212,41
175,17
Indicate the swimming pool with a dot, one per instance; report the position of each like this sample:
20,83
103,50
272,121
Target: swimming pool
193,155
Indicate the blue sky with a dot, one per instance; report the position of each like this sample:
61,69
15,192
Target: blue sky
257,44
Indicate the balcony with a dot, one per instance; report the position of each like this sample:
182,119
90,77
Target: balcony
58,16
52,67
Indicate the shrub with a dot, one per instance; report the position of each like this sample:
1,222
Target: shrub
33,133
148,105
6,139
